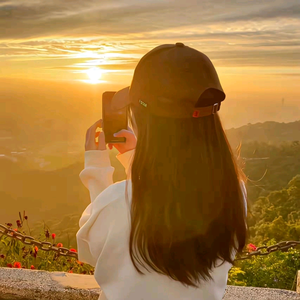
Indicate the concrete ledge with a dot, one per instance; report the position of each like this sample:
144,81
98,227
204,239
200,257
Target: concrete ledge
36,284
253,293
23,284
298,283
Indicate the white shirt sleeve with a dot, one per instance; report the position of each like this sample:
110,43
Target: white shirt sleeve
96,220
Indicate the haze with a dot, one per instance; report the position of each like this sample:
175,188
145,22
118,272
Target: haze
254,46
57,58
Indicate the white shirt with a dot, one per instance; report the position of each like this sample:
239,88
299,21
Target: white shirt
103,241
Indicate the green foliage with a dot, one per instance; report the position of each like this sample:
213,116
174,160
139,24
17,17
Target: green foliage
65,228
277,215
275,270
236,276
276,218
13,253
272,157
268,167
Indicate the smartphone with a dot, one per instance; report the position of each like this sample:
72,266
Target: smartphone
113,120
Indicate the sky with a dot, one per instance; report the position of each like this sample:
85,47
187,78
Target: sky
254,45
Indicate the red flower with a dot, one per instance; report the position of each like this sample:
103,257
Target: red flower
70,271
17,265
16,229
36,248
53,236
73,250
2,256
251,247
19,223
59,245
25,217
32,267
8,224
79,262
9,265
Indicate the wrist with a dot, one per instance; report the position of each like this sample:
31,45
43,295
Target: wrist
127,150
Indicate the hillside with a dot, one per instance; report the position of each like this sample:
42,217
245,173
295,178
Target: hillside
48,129
277,215
268,132
57,196
45,193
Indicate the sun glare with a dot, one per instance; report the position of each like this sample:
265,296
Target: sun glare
94,74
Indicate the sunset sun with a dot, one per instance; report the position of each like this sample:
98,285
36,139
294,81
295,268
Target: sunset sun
94,74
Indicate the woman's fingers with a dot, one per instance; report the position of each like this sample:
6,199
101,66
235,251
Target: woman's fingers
91,134
93,128
122,133
99,123
96,124
101,141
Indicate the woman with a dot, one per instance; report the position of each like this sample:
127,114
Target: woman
173,228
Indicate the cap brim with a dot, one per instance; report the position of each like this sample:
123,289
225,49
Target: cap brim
120,99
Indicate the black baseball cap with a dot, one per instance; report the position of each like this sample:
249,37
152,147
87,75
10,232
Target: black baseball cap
173,80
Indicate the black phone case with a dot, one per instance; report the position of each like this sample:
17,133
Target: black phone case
106,97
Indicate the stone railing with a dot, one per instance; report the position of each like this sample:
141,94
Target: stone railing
24,284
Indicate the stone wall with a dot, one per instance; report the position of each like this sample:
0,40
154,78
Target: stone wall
24,284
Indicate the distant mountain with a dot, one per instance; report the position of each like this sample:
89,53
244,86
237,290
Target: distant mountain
269,132
45,193
51,118
57,196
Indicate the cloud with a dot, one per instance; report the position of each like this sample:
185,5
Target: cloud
78,19
287,74
233,49
73,34
116,67
266,10
74,18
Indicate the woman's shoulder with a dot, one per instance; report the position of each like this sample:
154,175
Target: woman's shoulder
112,193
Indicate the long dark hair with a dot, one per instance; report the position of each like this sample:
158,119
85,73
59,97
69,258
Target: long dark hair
187,203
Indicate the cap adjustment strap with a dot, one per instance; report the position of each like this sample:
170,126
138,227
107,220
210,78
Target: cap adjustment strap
215,108
207,110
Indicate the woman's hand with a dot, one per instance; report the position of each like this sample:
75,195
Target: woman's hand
91,134
90,138
130,143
